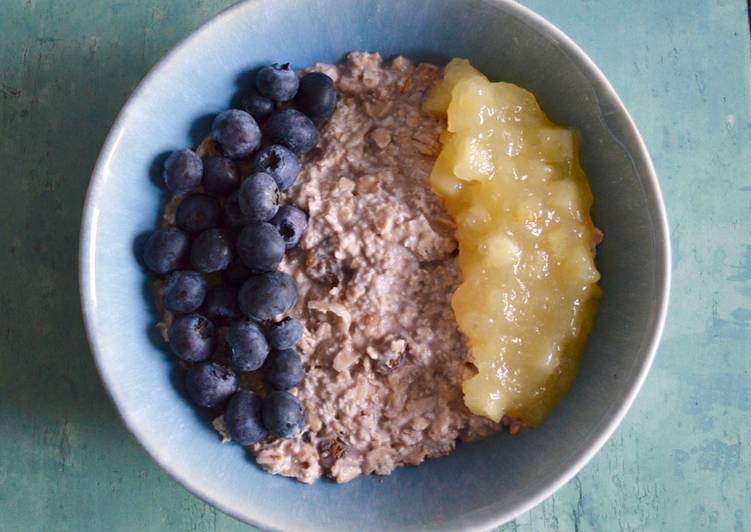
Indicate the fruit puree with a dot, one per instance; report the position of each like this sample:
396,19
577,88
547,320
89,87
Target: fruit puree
512,181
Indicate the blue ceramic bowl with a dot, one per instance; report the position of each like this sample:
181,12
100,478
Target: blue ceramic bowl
480,485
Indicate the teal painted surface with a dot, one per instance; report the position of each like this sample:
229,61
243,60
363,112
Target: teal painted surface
680,461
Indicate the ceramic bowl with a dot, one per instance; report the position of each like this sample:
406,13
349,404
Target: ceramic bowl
482,484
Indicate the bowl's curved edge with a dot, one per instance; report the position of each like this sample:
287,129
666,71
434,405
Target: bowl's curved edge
85,271
663,280
88,298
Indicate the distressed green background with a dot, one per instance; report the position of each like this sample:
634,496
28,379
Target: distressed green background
682,458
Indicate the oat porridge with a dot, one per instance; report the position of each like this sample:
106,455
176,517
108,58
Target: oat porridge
318,323
375,272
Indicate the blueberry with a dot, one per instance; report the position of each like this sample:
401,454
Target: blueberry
183,170
233,216
211,251
291,223
246,345
293,129
237,133
197,212
284,334
278,82
283,369
259,197
236,273
220,176
183,291
317,96
220,305
267,295
166,250
283,414
243,418
260,246
192,337
210,384
256,105
280,163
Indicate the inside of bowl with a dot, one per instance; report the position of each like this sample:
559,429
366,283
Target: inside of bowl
480,483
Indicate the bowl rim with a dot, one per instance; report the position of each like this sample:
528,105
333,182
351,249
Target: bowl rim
500,516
